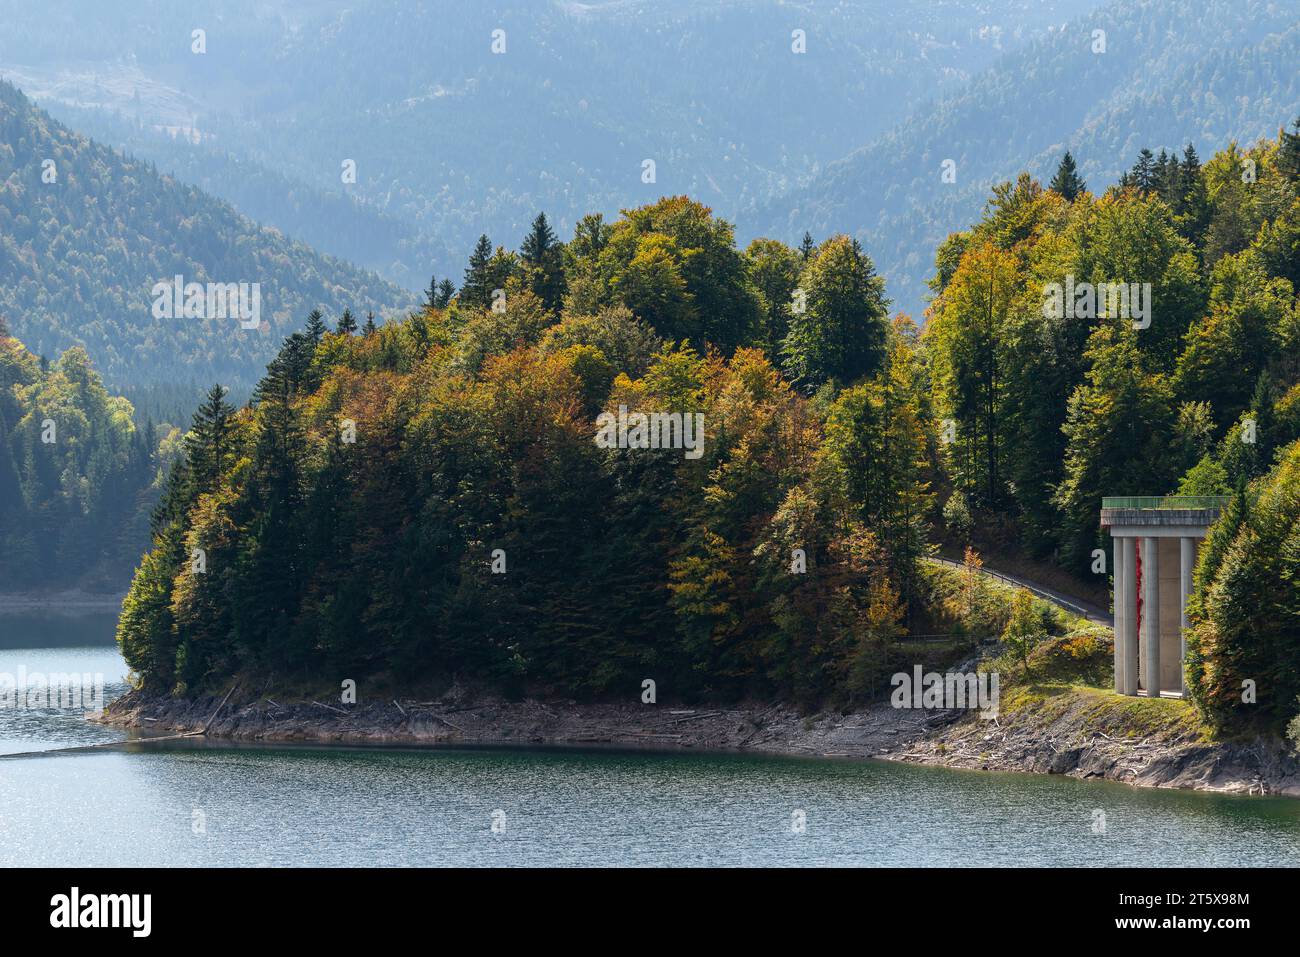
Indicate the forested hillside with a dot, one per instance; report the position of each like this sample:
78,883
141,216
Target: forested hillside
427,498
461,135
1048,414
1048,410
471,446
1170,72
79,474
85,234
325,216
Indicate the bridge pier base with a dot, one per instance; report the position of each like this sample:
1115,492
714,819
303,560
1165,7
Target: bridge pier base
1150,637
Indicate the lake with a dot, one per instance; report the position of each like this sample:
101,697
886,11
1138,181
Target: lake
179,804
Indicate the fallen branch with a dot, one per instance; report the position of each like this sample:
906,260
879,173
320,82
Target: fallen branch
695,717
448,723
219,707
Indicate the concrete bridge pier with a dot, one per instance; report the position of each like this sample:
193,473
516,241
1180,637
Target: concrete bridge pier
1150,644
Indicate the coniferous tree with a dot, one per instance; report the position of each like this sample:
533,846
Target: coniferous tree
1166,176
266,601
1067,181
806,245
476,290
1192,209
1143,174
543,259
76,504
446,290
347,324
370,327
1288,153
315,326
208,444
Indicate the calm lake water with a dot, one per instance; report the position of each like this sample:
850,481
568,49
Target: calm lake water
205,805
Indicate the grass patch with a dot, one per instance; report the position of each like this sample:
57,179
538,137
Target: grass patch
1093,709
1070,681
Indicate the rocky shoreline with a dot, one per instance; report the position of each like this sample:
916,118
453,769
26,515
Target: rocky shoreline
953,739
1260,767
488,720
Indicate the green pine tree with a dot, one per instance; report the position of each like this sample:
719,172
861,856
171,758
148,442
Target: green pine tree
1143,174
1067,181
316,326
543,259
208,444
1288,153
476,290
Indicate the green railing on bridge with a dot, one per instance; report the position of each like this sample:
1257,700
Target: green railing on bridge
1165,501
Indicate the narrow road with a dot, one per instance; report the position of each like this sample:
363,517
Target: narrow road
1069,602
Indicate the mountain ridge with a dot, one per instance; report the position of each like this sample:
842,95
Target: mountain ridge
889,194
86,233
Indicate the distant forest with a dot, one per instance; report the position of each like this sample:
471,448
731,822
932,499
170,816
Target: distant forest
425,497
85,233
79,473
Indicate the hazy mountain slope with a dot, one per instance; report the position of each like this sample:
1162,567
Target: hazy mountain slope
79,257
456,140
1208,71
331,221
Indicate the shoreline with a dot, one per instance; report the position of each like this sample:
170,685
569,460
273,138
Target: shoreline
951,739
72,600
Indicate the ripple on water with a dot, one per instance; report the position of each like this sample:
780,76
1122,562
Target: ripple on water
351,807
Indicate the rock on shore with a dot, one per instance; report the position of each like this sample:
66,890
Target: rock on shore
1070,746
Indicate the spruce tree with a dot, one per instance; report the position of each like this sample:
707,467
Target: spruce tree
539,241
1144,171
1193,209
446,289
1067,181
370,327
807,246
1164,174
542,256
315,327
208,444
476,290
347,324
1288,152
